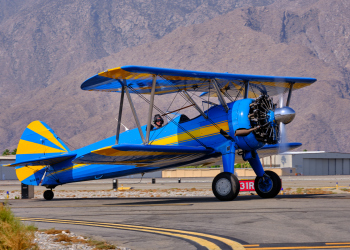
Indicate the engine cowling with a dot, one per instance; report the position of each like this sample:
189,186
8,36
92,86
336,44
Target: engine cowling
252,123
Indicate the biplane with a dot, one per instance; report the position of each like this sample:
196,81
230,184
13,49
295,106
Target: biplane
244,124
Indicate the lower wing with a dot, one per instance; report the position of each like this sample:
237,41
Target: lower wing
142,155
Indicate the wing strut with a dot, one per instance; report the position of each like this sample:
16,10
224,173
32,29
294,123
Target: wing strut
194,104
151,108
134,112
221,99
120,115
290,93
246,89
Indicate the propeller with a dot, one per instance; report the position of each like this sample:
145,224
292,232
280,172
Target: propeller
283,116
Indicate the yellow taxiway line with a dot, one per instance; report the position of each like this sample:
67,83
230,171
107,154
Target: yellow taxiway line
170,232
300,247
119,205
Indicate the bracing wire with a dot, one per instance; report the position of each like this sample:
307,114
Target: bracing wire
169,118
161,129
253,91
211,121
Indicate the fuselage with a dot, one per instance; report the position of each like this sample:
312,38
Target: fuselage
207,131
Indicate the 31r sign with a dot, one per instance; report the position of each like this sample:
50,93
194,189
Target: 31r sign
247,185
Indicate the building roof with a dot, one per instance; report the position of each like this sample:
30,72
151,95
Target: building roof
306,152
8,157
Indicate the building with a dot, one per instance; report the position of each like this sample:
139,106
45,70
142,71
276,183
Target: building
7,173
311,163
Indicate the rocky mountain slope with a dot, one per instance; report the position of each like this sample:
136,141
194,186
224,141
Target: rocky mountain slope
295,38
41,41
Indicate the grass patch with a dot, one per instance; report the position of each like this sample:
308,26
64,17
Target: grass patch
62,237
100,244
311,191
14,234
345,189
54,231
317,191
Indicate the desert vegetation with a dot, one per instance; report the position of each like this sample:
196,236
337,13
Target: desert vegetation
14,234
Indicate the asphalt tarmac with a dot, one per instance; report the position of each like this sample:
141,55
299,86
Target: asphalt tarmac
248,222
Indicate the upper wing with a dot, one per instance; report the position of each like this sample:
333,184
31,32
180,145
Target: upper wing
142,155
139,78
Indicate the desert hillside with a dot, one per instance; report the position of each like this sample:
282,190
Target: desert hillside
48,49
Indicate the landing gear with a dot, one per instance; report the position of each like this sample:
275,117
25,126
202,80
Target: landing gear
269,185
48,195
225,186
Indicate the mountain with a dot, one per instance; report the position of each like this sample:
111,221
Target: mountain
41,41
293,38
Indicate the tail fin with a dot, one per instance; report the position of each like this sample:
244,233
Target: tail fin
38,140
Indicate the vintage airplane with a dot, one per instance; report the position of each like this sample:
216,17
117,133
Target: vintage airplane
231,130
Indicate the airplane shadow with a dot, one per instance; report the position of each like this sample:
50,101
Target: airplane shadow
112,201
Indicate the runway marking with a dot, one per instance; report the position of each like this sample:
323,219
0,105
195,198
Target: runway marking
119,205
328,246
170,232
338,243
335,187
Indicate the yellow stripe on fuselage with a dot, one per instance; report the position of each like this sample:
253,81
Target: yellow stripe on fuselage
109,151
201,132
69,168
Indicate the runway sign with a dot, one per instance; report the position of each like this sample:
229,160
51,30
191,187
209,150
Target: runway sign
247,185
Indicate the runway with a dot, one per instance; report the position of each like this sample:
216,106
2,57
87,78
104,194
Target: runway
249,222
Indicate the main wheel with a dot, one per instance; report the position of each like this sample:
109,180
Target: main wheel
225,186
269,185
48,195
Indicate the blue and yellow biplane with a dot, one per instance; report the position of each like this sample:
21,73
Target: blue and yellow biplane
244,125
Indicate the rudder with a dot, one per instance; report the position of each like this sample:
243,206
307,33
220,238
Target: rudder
38,140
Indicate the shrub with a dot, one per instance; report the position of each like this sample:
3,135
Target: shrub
14,234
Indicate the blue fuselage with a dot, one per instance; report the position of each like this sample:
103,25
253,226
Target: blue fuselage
179,132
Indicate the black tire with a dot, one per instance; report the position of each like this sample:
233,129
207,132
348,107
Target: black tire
226,186
263,189
48,195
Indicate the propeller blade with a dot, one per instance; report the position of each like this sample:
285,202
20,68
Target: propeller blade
283,142
283,139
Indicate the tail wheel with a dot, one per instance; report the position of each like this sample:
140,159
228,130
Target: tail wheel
269,185
48,195
225,186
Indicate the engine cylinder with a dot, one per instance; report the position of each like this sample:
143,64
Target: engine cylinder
253,123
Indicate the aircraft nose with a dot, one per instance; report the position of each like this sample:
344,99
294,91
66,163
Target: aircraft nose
284,115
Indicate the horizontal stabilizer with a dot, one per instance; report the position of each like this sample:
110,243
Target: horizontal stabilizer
43,161
142,155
